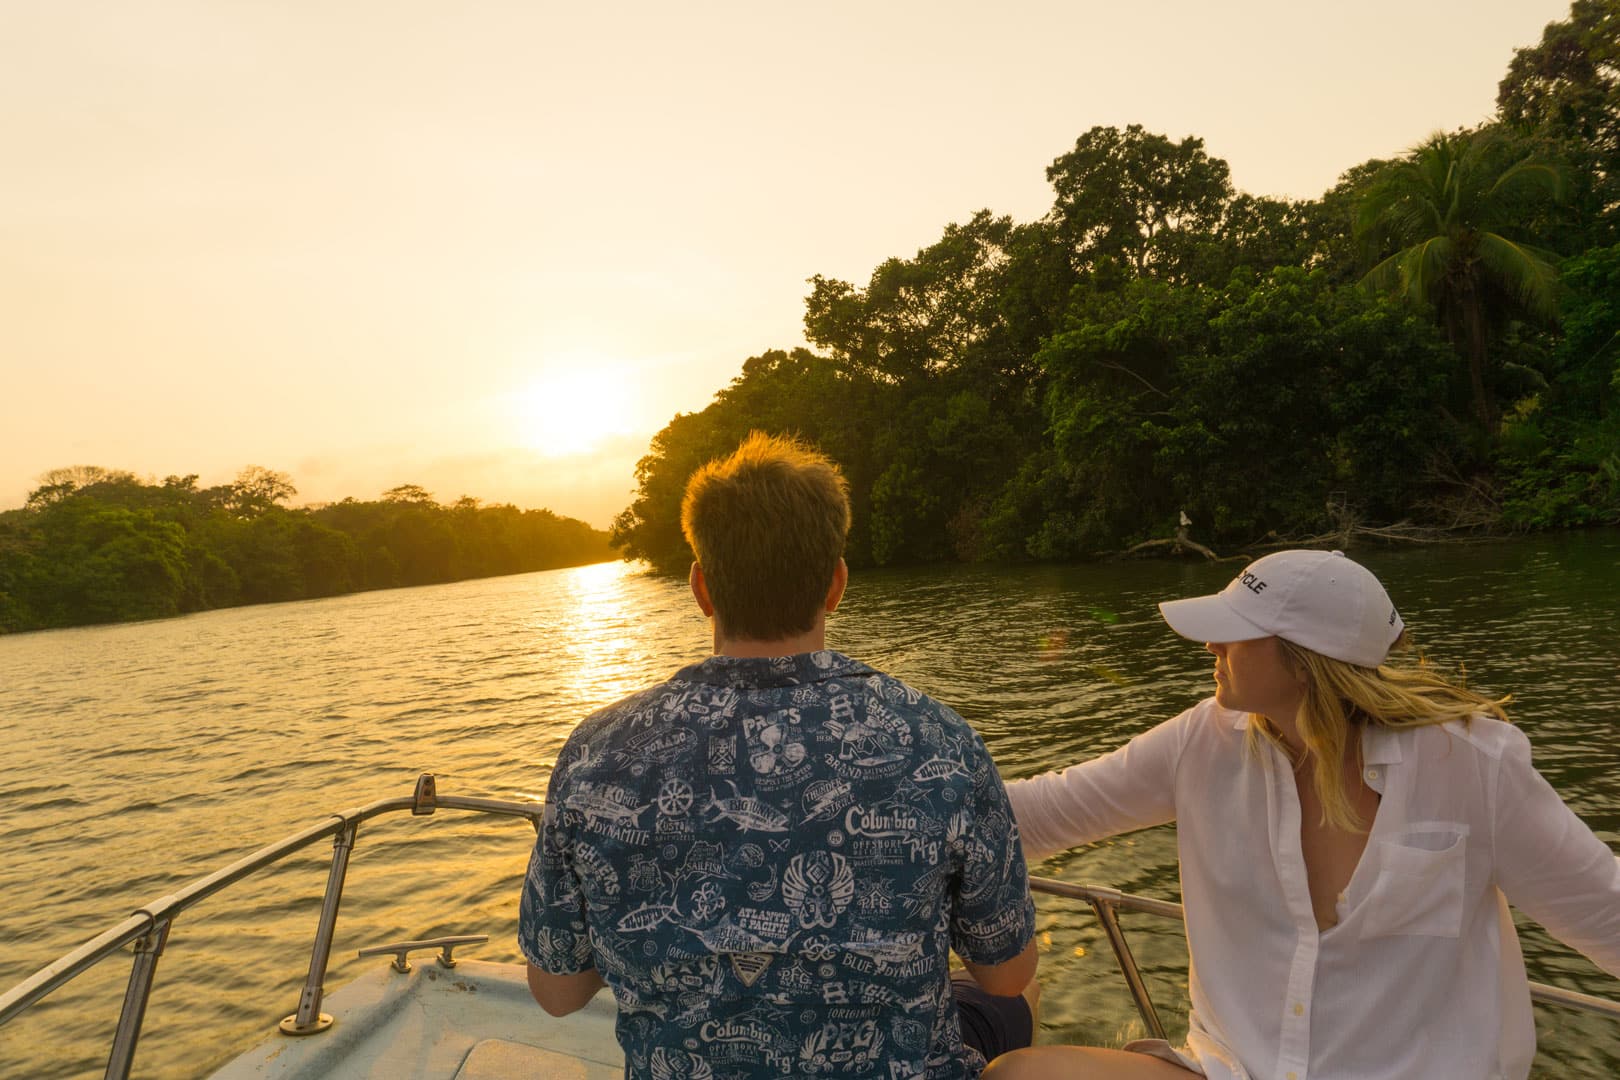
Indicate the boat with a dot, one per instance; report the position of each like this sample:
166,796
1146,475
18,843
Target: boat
447,1017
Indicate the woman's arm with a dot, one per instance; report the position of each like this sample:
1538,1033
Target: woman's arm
1128,789
1550,865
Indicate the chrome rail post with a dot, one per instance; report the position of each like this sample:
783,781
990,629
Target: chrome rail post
309,1019
1127,966
148,947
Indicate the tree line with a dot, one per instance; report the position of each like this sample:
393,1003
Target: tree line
96,545
1436,339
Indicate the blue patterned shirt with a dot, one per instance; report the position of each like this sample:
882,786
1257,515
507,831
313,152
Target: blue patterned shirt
768,861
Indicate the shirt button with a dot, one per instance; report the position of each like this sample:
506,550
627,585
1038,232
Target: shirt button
1299,1010
1372,774
1293,1075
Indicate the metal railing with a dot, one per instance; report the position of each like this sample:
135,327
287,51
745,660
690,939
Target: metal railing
148,928
1107,903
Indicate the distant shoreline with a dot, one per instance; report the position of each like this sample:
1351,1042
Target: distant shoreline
94,546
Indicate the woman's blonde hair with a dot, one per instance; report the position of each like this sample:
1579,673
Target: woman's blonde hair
1340,698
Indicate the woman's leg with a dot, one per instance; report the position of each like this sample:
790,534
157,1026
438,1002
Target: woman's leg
1082,1063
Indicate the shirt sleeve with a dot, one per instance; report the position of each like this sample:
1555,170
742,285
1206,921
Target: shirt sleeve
1550,865
551,915
1124,790
992,912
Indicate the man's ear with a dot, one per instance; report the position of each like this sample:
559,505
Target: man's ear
840,581
700,591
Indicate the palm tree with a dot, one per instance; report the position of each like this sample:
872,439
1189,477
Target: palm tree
1447,218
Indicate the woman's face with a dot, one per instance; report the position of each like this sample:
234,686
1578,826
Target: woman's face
1256,676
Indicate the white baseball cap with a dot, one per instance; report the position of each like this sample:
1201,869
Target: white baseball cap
1319,600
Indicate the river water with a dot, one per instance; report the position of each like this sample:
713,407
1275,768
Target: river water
143,756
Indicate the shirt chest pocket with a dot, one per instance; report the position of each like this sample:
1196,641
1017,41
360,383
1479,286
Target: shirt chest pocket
1418,889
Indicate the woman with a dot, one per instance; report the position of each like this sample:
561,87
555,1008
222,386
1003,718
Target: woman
1350,835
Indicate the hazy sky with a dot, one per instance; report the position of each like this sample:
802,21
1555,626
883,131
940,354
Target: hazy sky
491,247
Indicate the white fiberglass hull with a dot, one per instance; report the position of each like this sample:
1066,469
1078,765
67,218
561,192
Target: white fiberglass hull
473,1022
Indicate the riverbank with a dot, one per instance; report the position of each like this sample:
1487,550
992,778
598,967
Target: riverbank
1402,533
119,550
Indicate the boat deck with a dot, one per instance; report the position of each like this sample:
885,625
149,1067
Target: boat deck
475,1021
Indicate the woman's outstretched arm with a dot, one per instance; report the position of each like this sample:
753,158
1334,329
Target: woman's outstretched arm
1550,864
1130,788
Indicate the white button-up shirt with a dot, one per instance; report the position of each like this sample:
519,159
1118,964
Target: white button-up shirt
1421,977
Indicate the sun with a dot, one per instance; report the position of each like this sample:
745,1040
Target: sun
569,413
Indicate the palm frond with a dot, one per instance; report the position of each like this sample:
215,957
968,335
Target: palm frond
1424,268
1416,273
1386,276
1524,272
1397,211
1531,177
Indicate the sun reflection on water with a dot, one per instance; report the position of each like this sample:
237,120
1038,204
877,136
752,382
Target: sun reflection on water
608,633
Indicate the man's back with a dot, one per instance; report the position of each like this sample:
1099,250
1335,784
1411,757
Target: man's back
768,860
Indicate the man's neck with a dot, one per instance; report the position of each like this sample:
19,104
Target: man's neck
812,640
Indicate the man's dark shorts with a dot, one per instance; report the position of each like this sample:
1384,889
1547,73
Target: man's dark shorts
991,1025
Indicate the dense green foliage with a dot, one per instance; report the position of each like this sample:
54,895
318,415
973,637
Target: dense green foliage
1454,213
94,545
1433,340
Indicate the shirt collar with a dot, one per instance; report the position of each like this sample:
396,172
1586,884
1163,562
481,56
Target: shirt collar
763,672
1379,745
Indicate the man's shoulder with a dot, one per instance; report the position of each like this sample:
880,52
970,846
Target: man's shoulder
629,705
901,696
936,723
618,719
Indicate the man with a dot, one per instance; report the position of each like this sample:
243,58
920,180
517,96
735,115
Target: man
770,856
